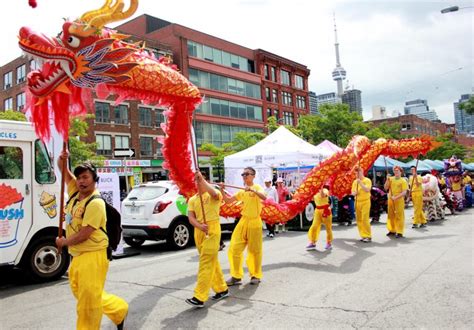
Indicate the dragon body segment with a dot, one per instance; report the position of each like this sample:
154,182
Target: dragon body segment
86,56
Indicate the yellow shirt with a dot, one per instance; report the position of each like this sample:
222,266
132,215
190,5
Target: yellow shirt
319,200
456,186
77,217
397,186
252,204
466,180
211,206
442,181
360,194
413,185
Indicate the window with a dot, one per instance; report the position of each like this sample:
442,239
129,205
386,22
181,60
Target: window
285,77
146,146
275,96
288,118
160,117
286,98
300,102
104,145
265,71
276,113
20,101
159,153
34,65
11,163
8,104
273,73
218,134
21,74
225,108
299,82
267,94
121,114
269,113
44,172
122,142
144,116
220,56
102,112
7,80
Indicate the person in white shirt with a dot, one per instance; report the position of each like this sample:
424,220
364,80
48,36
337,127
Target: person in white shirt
272,194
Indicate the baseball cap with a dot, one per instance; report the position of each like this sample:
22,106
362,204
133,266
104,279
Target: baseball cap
279,180
268,179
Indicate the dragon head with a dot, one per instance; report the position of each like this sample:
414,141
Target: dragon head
83,54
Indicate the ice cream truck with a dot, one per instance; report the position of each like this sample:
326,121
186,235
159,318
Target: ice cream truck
29,203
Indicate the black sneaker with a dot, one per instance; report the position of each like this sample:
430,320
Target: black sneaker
390,233
220,295
422,225
414,226
398,236
254,281
195,302
120,326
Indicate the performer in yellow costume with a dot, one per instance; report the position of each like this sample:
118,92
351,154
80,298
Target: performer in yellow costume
322,214
248,231
419,218
361,191
397,188
207,235
87,244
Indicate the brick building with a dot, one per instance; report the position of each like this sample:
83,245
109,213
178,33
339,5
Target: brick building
234,80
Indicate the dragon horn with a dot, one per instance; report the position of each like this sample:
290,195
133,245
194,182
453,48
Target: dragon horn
86,17
113,14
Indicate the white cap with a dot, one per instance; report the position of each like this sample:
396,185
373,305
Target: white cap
268,180
279,180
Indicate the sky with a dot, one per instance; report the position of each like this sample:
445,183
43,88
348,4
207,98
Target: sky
393,51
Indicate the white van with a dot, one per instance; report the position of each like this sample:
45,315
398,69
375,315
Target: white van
156,211
29,204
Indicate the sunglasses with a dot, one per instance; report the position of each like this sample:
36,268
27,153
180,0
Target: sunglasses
246,174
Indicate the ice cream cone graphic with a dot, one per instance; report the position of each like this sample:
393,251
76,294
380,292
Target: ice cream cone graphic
48,203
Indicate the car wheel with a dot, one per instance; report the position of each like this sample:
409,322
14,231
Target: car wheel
42,262
179,235
133,241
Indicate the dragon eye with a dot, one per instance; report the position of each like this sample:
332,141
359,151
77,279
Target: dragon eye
73,41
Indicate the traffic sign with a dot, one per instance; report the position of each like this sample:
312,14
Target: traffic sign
124,152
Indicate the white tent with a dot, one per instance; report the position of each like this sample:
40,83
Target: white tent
282,148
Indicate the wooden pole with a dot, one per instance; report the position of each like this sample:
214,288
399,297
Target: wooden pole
61,198
228,185
195,160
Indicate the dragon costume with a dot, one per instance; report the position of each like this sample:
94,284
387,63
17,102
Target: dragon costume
86,56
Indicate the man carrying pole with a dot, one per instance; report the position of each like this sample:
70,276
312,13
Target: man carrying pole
361,191
207,236
397,188
419,219
248,231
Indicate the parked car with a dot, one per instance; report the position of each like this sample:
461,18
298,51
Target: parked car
156,211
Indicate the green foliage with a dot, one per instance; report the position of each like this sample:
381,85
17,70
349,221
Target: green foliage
12,115
468,106
272,126
81,151
447,149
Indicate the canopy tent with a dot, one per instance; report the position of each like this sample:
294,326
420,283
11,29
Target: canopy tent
328,145
438,166
379,164
421,167
282,148
468,167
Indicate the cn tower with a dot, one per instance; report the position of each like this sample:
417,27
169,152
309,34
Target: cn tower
338,74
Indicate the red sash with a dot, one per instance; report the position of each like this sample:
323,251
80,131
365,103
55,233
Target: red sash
326,208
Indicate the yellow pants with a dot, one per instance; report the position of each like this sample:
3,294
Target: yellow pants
210,272
418,216
313,232
87,279
363,218
396,216
248,232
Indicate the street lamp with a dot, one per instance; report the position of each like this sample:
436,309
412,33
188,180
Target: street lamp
452,9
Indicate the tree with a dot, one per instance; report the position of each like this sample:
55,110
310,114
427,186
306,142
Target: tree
12,115
447,149
468,106
272,125
336,123
81,151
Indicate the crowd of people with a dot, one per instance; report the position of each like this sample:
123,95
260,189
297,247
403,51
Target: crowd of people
87,241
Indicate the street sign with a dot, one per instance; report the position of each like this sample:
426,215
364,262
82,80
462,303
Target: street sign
124,152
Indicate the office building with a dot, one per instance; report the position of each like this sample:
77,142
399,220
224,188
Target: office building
464,122
421,109
313,103
353,99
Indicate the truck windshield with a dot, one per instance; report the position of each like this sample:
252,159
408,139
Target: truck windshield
43,170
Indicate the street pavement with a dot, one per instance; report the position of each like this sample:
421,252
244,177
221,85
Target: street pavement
424,280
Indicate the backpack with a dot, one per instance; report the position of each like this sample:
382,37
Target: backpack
113,226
